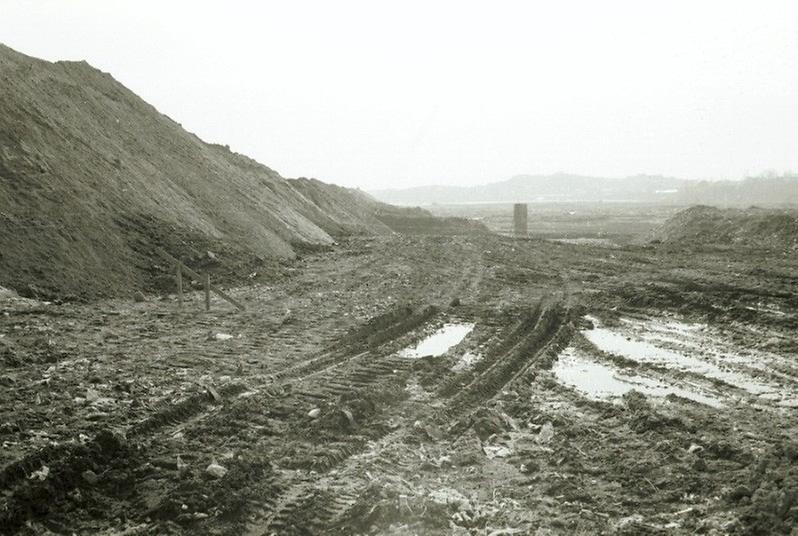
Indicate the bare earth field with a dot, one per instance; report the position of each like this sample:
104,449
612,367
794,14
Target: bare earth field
416,385
611,221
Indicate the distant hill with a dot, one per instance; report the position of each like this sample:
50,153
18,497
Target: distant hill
93,179
755,227
578,188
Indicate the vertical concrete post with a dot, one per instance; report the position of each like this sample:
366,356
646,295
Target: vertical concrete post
520,220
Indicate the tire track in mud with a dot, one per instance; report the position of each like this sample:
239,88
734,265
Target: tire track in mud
352,365
318,374
513,360
368,370
291,517
534,340
319,381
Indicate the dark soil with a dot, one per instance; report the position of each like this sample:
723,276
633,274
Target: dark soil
322,428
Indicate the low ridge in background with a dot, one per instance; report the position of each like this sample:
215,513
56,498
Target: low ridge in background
563,187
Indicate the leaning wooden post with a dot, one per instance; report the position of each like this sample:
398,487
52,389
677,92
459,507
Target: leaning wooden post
219,292
179,279
207,291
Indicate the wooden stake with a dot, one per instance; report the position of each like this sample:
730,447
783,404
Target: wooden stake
207,291
179,278
198,277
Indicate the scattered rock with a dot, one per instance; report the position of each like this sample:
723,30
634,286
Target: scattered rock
314,413
349,417
213,392
546,433
496,451
139,297
488,422
41,474
738,493
216,470
7,380
90,477
166,463
7,293
222,336
530,467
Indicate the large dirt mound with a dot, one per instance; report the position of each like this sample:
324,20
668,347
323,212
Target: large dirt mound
755,227
92,179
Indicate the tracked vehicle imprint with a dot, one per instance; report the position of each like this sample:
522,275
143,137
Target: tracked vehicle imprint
338,414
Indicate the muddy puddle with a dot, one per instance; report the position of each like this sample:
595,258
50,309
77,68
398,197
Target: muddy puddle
692,348
599,381
440,342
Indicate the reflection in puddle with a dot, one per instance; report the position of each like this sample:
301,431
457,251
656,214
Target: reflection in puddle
602,382
641,350
439,342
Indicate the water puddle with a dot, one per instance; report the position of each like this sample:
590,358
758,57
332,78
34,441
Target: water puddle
439,342
643,349
598,381
700,340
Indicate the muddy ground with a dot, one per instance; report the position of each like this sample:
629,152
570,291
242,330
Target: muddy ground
578,390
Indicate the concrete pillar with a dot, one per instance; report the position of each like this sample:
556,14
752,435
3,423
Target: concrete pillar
520,220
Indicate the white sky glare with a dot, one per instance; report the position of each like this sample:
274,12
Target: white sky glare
395,94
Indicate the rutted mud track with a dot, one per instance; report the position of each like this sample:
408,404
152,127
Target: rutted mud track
322,426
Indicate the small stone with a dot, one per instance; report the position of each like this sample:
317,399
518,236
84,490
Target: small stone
166,463
314,413
216,470
546,433
90,477
349,417
139,297
530,467
41,474
739,492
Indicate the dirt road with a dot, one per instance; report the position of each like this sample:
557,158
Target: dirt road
416,385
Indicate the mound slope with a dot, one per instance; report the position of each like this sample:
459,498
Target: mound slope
755,227
92,179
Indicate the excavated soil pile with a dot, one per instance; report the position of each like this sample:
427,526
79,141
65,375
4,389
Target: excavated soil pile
92,179
757,227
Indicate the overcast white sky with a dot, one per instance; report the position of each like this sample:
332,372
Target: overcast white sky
392,94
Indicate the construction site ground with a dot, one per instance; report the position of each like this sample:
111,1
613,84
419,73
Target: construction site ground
325,409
